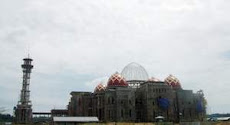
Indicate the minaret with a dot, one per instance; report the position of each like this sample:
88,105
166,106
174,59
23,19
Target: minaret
23,111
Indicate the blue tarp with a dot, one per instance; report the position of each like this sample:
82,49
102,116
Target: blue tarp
163,103
199,106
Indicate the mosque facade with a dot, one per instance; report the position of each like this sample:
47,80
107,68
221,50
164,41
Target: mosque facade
132,96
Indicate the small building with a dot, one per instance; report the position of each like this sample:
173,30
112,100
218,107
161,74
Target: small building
59,112
73,120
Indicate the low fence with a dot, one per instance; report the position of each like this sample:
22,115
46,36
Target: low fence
205,123
118,123
162,123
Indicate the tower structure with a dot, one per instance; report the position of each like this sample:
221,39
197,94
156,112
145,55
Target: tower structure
23,111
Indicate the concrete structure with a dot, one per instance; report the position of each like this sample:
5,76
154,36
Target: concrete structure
23,111
41,117
134,97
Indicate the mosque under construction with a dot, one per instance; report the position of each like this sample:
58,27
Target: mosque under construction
129,96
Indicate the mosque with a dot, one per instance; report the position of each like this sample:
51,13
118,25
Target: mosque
133,96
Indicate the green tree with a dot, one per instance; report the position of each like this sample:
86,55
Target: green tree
2,110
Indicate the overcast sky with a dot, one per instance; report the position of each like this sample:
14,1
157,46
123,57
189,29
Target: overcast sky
76,44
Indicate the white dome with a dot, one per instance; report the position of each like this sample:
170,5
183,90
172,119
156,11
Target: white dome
134,71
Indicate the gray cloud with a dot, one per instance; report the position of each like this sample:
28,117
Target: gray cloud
76,44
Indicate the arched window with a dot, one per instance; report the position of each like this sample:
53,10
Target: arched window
130,113
122,113
113,100
79,102
109,100
130,102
